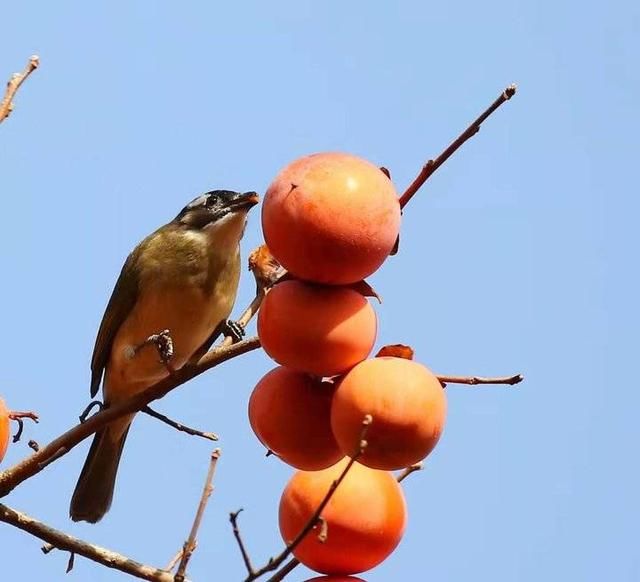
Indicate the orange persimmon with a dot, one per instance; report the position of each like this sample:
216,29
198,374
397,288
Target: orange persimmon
331,218
408,406
5,429
290,412
365,518
318,329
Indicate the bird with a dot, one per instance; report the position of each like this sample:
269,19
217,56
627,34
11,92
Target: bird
173,297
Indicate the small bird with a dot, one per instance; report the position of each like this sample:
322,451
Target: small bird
178,286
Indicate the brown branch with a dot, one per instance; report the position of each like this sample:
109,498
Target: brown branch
477,380
284,571
410,469
6,105
74,545
432,165
275,563
233,518
60,446
179,426
190,544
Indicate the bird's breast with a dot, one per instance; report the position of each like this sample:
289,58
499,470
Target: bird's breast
190,306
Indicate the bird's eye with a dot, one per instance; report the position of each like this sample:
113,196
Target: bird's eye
212,200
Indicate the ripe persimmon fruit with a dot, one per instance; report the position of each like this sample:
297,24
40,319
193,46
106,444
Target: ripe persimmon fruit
365,518
318,329
335,579
408,406
5,429
290,412
331,218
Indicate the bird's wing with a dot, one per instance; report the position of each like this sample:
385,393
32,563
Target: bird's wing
122,300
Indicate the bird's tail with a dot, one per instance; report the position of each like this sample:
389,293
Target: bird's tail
94,490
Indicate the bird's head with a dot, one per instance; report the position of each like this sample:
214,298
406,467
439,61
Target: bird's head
216,207
221,214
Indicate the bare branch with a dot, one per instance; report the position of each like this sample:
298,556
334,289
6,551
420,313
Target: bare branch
6,105
190,544
410,469
62,541
60,446
275,563
174,561
179,426
284,571
432,165
233,518
477,380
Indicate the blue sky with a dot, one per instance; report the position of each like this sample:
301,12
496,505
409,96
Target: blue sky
518,257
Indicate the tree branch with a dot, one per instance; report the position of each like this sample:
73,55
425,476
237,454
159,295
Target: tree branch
179,426
6,105
190,544
60,446
285,570
233,518
74,545
477,380
432,165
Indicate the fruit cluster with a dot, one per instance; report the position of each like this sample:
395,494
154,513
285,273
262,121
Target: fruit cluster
331,220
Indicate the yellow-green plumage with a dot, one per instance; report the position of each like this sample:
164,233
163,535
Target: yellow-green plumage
179,278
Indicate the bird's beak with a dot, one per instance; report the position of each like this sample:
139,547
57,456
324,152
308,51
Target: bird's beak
244,201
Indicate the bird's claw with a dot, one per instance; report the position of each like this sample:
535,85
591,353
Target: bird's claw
85,413
234,329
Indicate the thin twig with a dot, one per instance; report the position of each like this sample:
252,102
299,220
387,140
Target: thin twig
233,518
190,544
179,426
284,571
71,562
477,380
432,165
174,561
69,543
60,446
18,416
275,563
410,469
6,105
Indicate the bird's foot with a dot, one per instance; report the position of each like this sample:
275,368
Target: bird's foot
234,330
163,342
85,413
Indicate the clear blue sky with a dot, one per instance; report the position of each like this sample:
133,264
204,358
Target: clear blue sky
519,256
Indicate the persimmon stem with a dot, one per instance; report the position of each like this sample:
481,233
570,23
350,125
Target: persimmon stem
409,470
